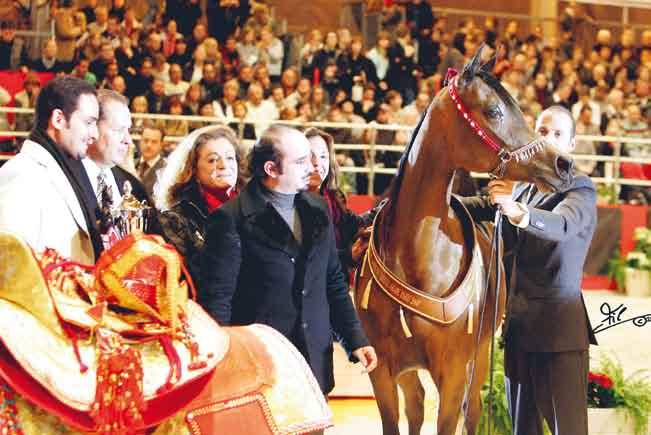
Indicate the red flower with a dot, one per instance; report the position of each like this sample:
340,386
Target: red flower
600,379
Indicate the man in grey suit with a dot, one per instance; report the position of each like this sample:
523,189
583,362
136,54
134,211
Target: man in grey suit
547,330
151,158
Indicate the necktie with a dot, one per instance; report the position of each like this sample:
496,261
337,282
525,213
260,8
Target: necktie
144,167
102,185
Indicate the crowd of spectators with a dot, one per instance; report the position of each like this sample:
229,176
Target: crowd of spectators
230,61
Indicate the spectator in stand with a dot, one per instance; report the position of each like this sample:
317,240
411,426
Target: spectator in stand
304,113
88,10
224,17
378,55
100,24
344,39
81,71
174,127
309,51
13,54
101,63
586,100
368,106
138,105
118,10
156,96
244,130
181,54
186,13
230,57
193,99
113,31
26,99
119,85
210,83
288,114
401,74
153,45
289,81
261,75
585,126
260,17
327,54
563,94
413,112
393,101
277,96
271,52
224,106
330,81
131,24
245,78
384,159
193,71
420,19
354,67
48,61
140,83
319,102
260,111
176,85
128,57
151,158
199,34
428,53
248,48
112,71
170,37
543,90
511,38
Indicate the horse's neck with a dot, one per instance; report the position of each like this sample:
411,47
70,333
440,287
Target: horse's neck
425,245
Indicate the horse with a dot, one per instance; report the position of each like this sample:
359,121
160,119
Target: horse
421,289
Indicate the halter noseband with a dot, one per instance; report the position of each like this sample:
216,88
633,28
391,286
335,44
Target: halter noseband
504,155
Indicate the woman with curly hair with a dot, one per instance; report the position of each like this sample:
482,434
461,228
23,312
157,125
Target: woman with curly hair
201,174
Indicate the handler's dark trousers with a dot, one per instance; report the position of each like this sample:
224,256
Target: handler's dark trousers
552,386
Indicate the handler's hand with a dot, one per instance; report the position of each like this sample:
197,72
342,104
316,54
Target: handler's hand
366,355
501,194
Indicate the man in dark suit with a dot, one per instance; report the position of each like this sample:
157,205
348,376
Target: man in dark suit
109,151
151,158
111,148
271,258
547,330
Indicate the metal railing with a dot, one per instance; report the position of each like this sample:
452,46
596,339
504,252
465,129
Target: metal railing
372,168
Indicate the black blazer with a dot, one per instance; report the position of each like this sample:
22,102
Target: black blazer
254,271
545,310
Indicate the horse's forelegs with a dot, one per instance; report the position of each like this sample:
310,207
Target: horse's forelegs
414,400
450,399
386,396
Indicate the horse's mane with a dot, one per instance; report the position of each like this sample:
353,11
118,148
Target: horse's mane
396,184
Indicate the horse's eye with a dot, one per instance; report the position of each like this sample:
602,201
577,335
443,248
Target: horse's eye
493,112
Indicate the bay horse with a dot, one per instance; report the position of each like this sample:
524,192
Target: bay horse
422,282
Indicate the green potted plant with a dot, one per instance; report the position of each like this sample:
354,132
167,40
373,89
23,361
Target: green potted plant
633,272
616,403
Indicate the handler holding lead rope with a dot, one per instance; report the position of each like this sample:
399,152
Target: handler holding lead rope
547,329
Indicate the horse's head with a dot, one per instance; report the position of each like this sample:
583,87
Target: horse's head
494,133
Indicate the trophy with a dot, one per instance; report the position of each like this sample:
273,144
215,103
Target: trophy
129,216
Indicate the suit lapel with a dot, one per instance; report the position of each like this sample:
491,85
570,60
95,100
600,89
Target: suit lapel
59,181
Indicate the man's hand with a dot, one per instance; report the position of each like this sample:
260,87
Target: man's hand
501,194
366,355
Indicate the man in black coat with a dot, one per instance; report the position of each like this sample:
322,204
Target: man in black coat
547,330
271,258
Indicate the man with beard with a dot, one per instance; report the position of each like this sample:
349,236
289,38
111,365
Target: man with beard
271,258
42,191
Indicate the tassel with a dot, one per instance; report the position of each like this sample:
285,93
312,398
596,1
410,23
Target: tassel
175,363
403,322
366,295
470,318
119,400
9,422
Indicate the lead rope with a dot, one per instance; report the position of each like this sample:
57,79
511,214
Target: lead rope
495,248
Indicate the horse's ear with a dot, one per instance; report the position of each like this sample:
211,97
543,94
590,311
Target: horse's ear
489,66
472,67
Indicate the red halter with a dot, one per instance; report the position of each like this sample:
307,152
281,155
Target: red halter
505,156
